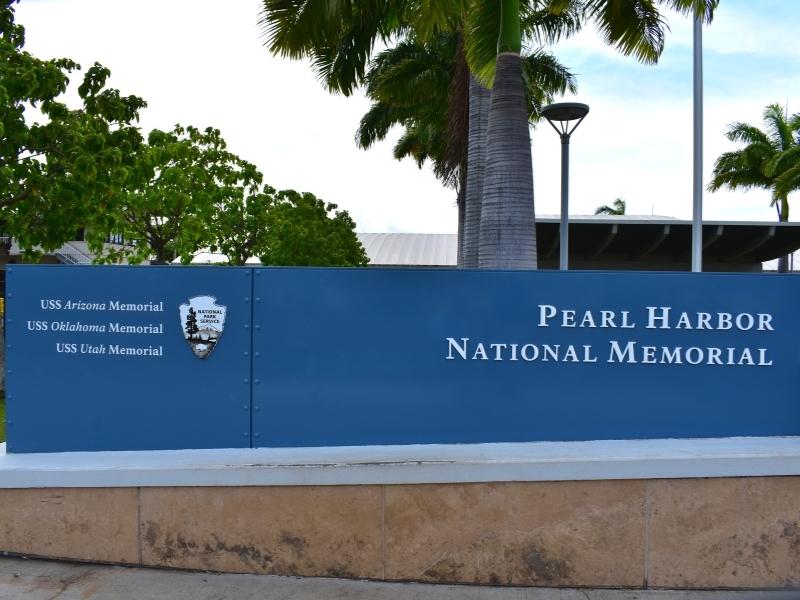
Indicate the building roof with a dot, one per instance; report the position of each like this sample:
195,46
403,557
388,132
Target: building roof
411,249
609,241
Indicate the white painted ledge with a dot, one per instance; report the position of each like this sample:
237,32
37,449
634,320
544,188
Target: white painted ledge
541,461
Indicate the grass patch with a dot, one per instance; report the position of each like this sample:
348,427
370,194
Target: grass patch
2,418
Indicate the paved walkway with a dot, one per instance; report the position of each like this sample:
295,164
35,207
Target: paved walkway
45,580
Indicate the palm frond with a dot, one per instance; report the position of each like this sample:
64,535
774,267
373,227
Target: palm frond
634,27
783,161
376,123
337,35
747,134
699,8
545,78
778,128
430,18
788,182
481,31
738,170
545,26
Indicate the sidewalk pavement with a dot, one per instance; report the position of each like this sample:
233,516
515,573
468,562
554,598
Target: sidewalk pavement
50,580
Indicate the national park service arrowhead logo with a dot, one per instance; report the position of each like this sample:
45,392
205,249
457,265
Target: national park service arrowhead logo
202,320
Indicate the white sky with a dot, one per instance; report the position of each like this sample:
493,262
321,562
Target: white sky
202,63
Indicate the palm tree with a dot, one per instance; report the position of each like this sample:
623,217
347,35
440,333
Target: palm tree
425,88
339,38
617,208
770,160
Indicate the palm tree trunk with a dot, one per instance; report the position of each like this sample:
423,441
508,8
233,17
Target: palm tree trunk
479,100
783,261
461,216
508,223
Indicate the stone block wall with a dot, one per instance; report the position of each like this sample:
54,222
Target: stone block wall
679,533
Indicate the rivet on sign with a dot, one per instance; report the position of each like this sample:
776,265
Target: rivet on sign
246,380
247,354
247,299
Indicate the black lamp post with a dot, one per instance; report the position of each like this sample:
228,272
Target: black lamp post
565,114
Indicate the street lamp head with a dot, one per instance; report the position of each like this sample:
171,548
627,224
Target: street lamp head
564,113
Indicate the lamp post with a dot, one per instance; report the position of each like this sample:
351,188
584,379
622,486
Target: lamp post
565,113
697,184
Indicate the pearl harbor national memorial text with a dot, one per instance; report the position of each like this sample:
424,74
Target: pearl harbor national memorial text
124,358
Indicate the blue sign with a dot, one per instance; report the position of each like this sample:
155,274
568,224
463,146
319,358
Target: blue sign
421,357
124,358
98,358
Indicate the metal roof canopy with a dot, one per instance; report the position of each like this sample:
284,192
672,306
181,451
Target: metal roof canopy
670,240
597,241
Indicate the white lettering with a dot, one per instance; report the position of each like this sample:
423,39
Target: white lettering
694,356
551,352
607,319
546,312
652,318
453,345
672,356
625,323
621,355
762,358
683,322
570,355
714,356
649,355
498,348
525,352
745,322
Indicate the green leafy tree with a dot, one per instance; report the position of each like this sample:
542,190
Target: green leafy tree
339,39
240,226
182,179
769,160
305,231
617,207
60,167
